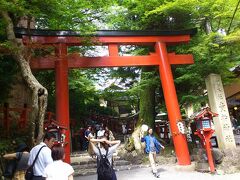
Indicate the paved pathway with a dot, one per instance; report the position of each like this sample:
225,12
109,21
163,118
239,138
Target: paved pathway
166,173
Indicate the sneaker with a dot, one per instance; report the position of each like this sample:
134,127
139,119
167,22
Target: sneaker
157,175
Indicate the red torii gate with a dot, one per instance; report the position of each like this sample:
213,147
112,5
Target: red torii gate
61,62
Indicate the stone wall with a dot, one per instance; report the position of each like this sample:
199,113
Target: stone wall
20,94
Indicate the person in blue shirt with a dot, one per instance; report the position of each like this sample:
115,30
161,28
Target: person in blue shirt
87,137
153,147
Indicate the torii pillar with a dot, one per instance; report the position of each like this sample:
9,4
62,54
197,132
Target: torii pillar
170,96
62,95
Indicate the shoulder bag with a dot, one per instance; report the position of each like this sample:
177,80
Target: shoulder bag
29,173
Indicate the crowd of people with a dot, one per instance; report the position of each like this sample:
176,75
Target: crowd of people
47,158
80,142
92,132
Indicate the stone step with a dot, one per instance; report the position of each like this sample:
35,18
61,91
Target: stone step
94,164
85,154
91,171
79,154
87,160
129,167
82,160
121,162
84,166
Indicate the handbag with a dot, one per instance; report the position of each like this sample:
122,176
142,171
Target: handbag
29,173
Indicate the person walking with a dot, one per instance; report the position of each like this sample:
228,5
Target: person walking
86,135
107,151
152,148
21,155
44,158
58,170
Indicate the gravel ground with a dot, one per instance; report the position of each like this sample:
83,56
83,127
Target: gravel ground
166,173
170,172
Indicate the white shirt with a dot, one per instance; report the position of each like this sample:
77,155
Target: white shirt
44,158
100,133
58,170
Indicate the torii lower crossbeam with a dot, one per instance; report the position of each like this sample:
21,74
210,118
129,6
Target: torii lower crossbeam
75,61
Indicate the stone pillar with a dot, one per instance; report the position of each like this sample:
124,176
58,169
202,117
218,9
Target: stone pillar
218,105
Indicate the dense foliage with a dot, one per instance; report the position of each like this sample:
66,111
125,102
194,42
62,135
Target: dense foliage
77,15
215,47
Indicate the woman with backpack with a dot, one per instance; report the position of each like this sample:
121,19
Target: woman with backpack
104,154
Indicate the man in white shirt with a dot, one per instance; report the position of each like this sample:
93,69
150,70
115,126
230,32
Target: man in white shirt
44,157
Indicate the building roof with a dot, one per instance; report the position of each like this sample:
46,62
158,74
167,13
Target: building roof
19,32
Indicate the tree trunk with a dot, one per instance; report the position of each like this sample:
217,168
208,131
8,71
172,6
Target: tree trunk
136,136
147,105
207,26
39,93
147,98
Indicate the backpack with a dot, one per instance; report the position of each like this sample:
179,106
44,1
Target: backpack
104,168
10,168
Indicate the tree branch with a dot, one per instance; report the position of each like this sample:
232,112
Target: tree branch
39,101
234,13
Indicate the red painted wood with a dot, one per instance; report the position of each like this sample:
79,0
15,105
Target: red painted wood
161,58
180,58
208,148
75,61
6,119
113,49
62,96
174,115
137,40
22,122
205,136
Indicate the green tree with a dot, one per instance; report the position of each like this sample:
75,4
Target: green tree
53,14
210,47
8,69
218,27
